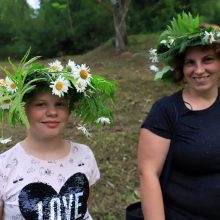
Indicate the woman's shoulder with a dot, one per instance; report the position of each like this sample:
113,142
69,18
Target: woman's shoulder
170,98
167,102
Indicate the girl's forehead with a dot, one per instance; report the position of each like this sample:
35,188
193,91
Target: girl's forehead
48,96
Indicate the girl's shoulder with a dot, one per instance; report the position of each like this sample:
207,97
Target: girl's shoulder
80,148
11,152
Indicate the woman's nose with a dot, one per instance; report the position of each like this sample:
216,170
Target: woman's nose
199,69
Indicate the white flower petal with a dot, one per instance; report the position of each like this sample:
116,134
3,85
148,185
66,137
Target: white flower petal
103,120
55,66
80,86
84,130
154,68
60,86
72,65
10,85
5,141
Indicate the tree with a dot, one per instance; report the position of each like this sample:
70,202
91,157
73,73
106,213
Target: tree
119,10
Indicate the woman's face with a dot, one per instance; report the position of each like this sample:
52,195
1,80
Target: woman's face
47,115
201,69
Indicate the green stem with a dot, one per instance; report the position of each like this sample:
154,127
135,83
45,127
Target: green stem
2,119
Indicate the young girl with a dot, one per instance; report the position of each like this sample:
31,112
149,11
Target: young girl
45,176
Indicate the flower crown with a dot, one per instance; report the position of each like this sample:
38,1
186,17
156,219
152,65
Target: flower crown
184,31
95,95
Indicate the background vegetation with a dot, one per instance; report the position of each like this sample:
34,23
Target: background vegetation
89,38
62,27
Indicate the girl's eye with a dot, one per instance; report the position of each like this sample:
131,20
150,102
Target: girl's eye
40,104
61,104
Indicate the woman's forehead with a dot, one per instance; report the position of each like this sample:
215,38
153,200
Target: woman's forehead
203,51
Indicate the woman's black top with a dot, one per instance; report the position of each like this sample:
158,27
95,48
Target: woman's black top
193,188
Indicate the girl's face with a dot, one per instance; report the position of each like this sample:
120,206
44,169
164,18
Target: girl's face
201,69
47,114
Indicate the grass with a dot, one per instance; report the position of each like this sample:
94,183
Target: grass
115,148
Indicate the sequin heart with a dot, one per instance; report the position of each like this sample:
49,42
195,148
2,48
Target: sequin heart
39,201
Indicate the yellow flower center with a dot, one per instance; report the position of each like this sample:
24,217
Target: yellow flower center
59,86
7,101
54,68
13,86
79,85
3,82
83,74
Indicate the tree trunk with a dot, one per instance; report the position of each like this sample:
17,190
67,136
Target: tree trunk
119,12
120,34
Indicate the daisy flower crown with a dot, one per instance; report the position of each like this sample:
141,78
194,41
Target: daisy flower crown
94,94
183,32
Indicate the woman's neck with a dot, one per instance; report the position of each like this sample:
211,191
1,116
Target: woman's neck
199,100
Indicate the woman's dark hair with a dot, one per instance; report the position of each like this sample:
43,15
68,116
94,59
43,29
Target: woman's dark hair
179,60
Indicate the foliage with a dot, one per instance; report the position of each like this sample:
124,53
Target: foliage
62,27
184,31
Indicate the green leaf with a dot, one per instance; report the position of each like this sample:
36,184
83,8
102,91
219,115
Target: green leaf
159,75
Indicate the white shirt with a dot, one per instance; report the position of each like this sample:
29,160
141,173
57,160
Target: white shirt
31,188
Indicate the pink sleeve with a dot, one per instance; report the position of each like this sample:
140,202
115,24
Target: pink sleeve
1,185
95,170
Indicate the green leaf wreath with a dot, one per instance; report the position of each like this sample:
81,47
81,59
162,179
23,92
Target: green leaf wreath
92,97
184,31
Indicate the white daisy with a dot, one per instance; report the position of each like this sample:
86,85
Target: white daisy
80,86
84,130
72,65
153,52
55,66
218,34
3,82
153,56
82,74
10,85
154,68
5,104
103,120
171,40
163,42
209,37
60,86
5,141
168,43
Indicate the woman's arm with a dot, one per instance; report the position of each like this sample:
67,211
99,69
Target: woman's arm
1,213
152,152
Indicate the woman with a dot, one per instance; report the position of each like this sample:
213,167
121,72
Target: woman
45,176
190,119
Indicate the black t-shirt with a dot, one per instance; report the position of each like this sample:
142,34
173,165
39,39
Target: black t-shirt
193,188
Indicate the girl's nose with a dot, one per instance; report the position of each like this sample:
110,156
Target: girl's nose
51,111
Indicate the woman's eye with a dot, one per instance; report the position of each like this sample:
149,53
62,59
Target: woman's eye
209,59
188,62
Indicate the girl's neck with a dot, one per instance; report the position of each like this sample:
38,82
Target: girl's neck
46,149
